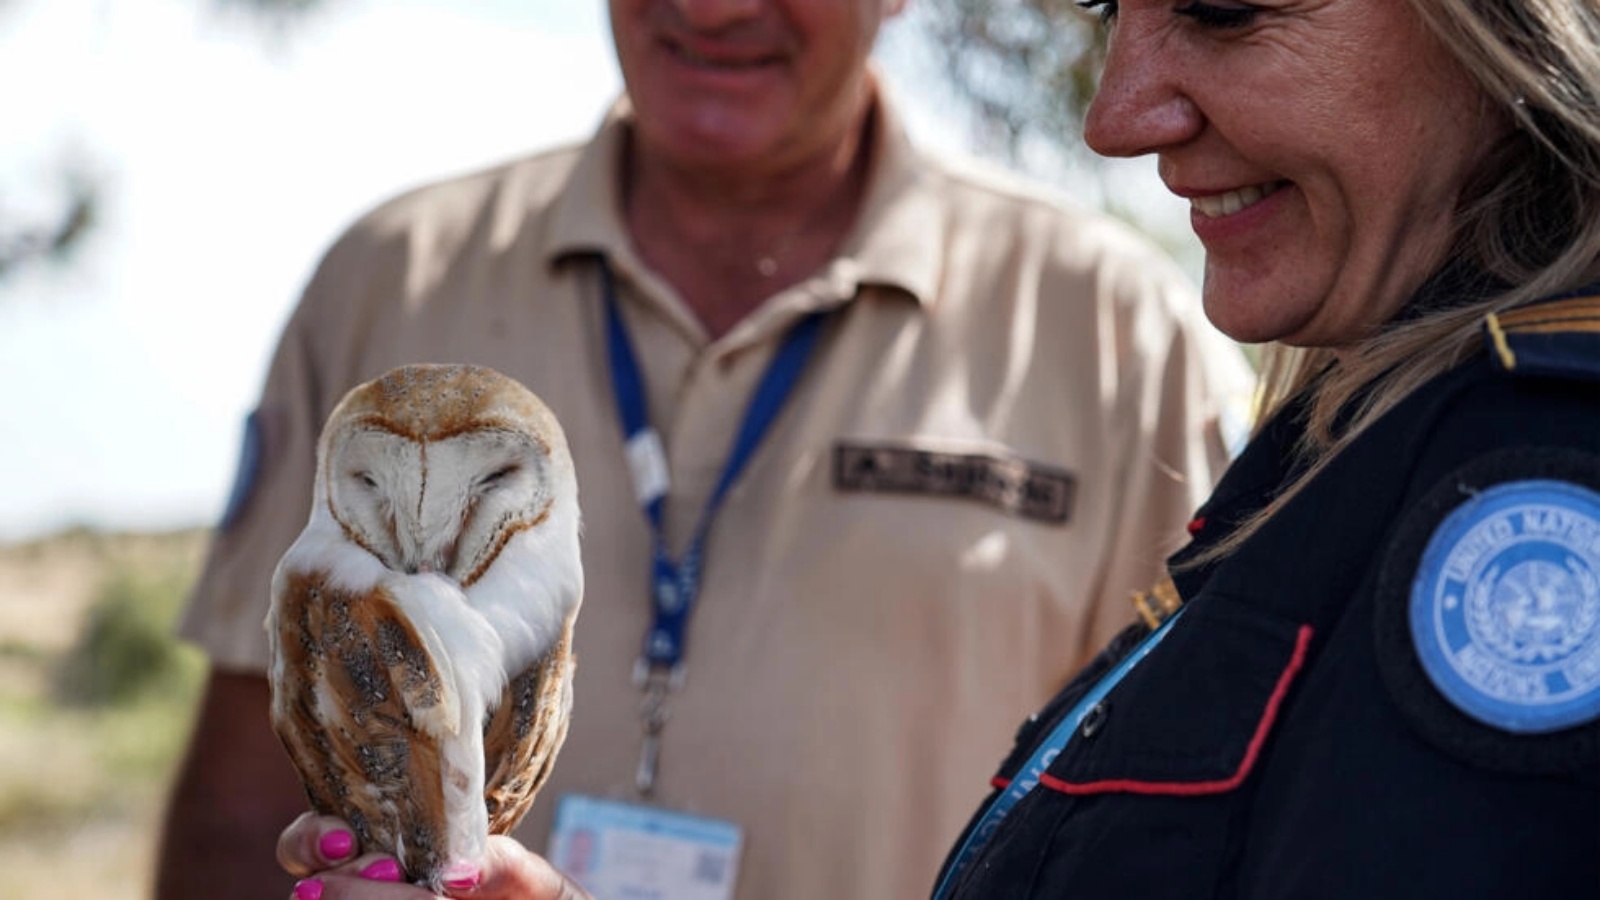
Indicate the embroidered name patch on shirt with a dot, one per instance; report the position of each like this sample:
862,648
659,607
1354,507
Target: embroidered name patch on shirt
1021,488
1505,607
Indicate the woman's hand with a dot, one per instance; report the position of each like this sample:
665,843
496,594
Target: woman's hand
320,851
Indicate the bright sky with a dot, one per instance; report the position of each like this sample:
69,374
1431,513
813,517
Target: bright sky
231,160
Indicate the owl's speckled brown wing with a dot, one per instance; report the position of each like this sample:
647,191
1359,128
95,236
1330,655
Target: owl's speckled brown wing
352,683
525,733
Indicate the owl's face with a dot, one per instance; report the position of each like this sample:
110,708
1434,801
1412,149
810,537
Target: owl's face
433,468
444,506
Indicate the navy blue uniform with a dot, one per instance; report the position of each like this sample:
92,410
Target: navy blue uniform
1392,690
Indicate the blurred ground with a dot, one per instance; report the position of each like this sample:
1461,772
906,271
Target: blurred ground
95,705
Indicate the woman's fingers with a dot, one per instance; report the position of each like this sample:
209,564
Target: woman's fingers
512,872
369,877
313,843
319,849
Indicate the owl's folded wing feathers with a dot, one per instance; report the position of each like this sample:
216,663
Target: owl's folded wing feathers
358,706
526,731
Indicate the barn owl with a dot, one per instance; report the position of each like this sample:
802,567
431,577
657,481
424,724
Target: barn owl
421,624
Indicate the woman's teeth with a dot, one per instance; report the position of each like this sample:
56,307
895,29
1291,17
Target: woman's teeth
1217,205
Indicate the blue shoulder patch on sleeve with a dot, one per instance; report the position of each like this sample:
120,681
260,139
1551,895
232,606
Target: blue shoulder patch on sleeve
1505,606
1559,338
1487,621
244,479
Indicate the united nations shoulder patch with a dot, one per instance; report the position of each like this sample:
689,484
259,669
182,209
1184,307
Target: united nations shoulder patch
1505,606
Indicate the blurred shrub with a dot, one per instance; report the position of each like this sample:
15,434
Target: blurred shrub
91,729
126,647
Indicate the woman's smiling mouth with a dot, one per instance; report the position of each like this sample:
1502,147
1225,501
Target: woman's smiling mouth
1215,206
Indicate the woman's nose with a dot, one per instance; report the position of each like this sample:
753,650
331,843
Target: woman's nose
1141,105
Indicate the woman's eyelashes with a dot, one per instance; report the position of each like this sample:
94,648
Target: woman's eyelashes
1207,15
1210,15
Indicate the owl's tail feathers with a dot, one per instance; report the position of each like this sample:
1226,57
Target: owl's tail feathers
461,769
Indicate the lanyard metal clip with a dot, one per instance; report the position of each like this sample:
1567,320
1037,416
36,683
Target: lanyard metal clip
647,674
657,681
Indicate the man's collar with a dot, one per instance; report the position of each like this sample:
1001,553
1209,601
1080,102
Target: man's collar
895,241
586,216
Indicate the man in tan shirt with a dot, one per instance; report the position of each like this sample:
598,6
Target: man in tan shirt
1007,416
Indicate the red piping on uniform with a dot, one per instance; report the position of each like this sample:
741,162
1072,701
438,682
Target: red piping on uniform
1196,524
1190,788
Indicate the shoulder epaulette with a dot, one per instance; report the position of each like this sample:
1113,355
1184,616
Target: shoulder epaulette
1556,337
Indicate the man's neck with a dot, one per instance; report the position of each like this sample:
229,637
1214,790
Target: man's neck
729,240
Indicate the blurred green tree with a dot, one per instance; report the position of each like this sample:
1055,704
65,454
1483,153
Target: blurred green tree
1027,69
126,646
55,238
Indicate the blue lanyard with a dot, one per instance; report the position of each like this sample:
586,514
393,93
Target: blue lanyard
676,584
1028,776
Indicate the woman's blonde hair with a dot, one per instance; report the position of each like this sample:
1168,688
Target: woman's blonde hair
1530,219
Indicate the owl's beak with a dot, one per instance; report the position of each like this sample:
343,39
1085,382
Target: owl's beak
440,561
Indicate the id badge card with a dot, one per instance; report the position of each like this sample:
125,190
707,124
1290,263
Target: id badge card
627,851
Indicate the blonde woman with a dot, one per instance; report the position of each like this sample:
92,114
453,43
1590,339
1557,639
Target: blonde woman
1376,671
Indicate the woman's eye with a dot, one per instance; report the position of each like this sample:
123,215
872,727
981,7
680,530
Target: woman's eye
1105,9
1209,15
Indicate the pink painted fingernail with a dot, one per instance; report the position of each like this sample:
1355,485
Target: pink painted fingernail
382,870
336,845
461,876
310,889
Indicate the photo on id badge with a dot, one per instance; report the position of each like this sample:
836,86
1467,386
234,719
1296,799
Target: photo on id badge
629,851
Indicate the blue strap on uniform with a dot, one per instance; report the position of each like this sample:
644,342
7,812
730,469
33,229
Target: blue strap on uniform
676,584
1027,777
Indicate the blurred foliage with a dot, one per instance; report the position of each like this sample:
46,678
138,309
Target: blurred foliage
34,240
51,241
126,647
96,700
1028,68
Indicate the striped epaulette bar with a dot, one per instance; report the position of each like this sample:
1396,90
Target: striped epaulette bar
1552,337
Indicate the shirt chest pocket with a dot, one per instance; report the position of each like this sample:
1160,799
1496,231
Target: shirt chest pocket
1147,798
